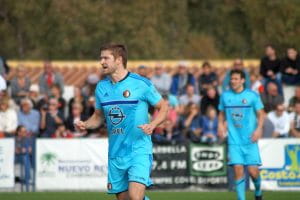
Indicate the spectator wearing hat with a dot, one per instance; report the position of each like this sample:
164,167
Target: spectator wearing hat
161,80
48,78
181,79
20,85
34,95
29,117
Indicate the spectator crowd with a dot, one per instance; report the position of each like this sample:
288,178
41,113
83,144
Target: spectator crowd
29,111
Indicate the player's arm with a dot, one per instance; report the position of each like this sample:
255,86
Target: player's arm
163,108
93,122
260,122
221,125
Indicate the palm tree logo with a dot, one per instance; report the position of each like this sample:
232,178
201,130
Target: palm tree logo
48,159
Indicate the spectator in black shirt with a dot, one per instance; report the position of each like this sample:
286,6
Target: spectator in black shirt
290,67
207,78
270,67
211,98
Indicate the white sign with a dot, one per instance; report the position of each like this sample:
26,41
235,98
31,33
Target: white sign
281,164
7,153
71,164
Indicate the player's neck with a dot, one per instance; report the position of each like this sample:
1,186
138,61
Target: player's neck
239,90
119,75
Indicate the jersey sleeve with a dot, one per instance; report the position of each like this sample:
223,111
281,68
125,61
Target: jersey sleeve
221,103
152,96
97,98
258,105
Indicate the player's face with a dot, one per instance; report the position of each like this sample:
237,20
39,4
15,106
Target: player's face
108,62
236,82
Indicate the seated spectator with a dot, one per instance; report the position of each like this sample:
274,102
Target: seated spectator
207,78
238,64
210,126
271,97
34,95
210,98
190,122
51,117
181,79
295,121
90,85
189,97
56,93
29,117
165,133
48,78
62,132
161,79
294,99
290,67
281,121
143,71
78,98
20,85
76,115
270,68
256,84
8,118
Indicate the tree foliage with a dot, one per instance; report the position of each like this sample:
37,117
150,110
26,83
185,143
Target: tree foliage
156,29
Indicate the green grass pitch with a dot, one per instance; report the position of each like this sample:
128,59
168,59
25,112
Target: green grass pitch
153,196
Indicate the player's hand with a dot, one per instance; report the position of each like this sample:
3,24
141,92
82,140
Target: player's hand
256,135
80,125
147,128
221,132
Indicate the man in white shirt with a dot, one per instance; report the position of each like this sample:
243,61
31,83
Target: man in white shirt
281,121
295,120
161,79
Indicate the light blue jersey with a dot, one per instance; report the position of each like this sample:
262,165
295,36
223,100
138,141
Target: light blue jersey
125,106
240,111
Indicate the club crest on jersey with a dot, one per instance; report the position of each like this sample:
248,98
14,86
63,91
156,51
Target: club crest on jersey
244,101
116,115
126,93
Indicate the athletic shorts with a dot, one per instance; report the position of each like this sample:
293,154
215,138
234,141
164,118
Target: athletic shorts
247,154
122,170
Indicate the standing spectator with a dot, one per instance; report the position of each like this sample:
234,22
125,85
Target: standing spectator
295,121
238,64
29,117
20,85
51,117
189,97
281,121
294,99
207,78
270,67
181,79
8,118
161,79
49,78
290,67
271,97
78,98
56,93
210,126
211,98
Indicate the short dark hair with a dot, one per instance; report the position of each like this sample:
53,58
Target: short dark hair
206,64
116,50
237,71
